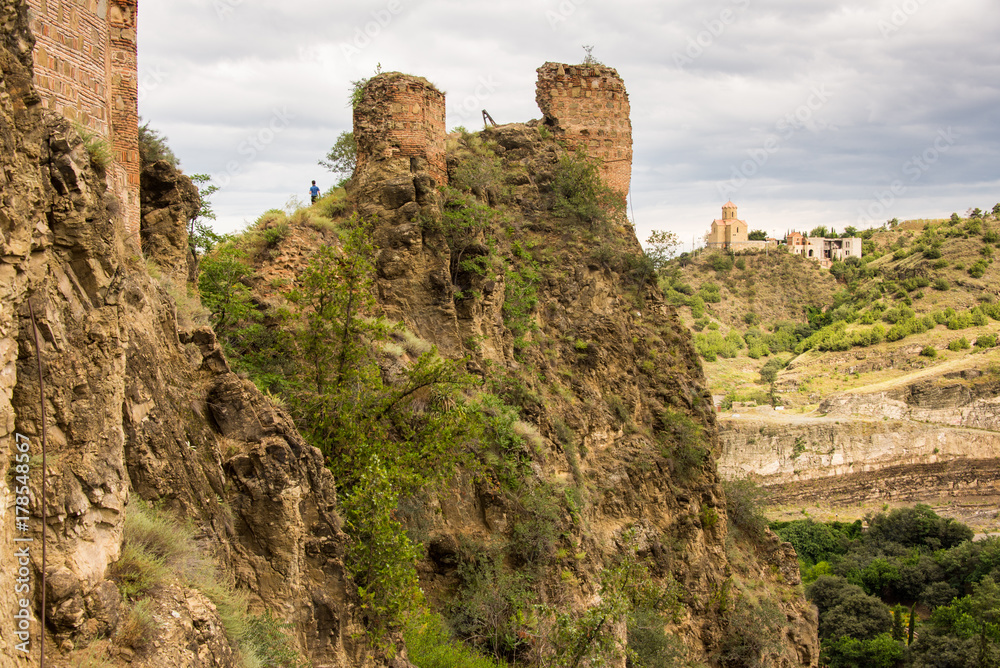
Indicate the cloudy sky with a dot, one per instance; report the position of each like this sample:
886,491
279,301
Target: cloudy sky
803,112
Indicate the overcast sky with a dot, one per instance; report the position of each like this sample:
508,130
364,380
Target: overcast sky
803,112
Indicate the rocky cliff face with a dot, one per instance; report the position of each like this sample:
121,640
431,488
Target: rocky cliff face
964,398
141,403
934,437
847,460
601,363
137,406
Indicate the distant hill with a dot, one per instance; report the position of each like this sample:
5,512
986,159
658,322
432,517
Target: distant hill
924,294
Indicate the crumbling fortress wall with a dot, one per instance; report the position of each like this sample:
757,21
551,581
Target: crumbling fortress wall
86,69
402,116
588,108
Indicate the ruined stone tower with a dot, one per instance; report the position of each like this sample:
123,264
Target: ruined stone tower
86,69
402,116
587,106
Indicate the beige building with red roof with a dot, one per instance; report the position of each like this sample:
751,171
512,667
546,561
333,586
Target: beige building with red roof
728,230
731,233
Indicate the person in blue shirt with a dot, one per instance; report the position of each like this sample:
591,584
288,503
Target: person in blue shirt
314,192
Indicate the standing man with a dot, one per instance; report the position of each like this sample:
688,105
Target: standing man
314,192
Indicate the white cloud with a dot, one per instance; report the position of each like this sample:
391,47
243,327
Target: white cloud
224,66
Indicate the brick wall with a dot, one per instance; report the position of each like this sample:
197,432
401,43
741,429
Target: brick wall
123,76
402,116
587,105
85,68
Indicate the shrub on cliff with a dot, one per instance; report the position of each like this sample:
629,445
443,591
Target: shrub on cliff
581,194
745,502
153,147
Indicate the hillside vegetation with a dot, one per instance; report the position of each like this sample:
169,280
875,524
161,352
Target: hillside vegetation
536,498
779,329
906,588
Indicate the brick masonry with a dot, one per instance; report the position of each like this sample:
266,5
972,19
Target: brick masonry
86,68
587,106
402,116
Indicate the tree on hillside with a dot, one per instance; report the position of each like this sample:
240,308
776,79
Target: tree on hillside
342,157
996,209
662,246
201,237
849,231
820,232
757,235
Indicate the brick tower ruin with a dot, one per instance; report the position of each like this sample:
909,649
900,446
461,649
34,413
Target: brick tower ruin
86,69
587,106
402,116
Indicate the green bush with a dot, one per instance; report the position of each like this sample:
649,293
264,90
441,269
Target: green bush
978,269
959,344
745,502
491,602
138,572
682,441
713,345
710,293
894,315
652,647
815,542
986,341
879,652
98,149
753,634
941,284
697,305
929,351
580,193
720,262
917,526
480,169
769,372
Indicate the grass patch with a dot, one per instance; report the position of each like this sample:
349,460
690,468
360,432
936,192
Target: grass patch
430,645
98,149
156,549
138,572
138,627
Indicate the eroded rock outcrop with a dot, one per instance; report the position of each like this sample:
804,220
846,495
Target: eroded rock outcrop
136,406
850,461
169,203
932,438
605,365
